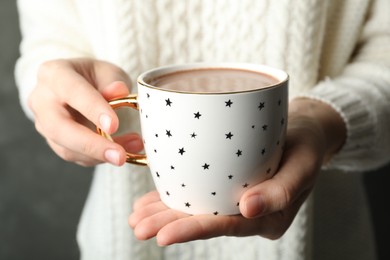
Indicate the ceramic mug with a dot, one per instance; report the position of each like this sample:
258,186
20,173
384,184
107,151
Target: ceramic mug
205,148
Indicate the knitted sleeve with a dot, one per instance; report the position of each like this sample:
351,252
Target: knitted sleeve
50,30
361,94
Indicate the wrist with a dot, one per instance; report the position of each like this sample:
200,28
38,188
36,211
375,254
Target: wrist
329,125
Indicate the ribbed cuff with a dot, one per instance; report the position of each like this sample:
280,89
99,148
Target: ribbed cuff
360,125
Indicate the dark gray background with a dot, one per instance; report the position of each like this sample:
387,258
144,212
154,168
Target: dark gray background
41,196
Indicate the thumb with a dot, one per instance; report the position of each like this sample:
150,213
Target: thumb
111,81
265,198
293,182
115,89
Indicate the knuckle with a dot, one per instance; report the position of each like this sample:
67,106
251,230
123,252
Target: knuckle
31,101
103,65
48,130
61,151
49,75
232,226
66,155
89,148
49,68
90,112
116,71
284,195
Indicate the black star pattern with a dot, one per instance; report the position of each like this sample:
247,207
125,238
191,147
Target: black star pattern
229,135
229,103
182,151
261,105
197,115
253,126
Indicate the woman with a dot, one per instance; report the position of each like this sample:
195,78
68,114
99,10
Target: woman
75,55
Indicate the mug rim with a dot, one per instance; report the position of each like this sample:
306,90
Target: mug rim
280,75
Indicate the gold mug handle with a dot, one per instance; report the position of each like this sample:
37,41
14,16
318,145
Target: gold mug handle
128,101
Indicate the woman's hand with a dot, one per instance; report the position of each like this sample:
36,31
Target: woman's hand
315,132
69,100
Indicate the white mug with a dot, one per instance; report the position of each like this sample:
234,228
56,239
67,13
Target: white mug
205,149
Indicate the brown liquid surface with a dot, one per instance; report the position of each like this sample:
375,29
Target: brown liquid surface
214,80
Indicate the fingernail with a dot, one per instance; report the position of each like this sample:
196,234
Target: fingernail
112,156
105,122
254,206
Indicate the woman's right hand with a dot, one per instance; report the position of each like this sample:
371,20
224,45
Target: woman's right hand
70,100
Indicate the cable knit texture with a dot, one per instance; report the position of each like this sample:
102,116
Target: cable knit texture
335,51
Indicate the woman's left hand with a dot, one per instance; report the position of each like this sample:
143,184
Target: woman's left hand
315,132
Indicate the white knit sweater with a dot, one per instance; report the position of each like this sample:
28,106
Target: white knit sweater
337,51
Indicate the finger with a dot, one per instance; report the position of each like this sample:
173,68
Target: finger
181,230
130,142
75,90
145,212
98,73
146,199
171,226
61,129
107,73
90,103
114,90
150,226
190,228
70,156
63,152
208,226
